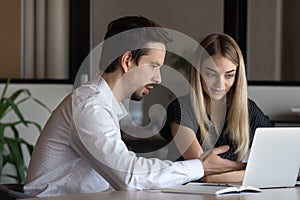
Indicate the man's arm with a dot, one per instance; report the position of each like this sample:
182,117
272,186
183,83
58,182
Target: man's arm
96,138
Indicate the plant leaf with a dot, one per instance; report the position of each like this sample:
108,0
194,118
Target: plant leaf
3,107
17,93
29,146
14,177
17,157
11,124
6,103
15,144
37,125
42,104
5,89
2,128
15,131
6,159
17,111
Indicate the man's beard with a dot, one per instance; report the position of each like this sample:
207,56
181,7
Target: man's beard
136,96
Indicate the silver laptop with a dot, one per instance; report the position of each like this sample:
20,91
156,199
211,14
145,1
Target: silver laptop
274,159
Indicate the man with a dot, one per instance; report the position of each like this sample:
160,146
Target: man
80,149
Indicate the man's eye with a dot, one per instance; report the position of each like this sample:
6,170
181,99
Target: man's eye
156,67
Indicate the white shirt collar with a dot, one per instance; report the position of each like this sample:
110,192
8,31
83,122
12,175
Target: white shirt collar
117,107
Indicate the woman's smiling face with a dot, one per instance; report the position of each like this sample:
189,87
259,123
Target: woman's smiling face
217,76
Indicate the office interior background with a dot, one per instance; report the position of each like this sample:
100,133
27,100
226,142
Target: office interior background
44,43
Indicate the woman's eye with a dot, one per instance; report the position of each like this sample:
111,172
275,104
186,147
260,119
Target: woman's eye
229,76
210,74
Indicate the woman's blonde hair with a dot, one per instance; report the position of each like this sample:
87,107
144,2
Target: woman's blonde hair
237,101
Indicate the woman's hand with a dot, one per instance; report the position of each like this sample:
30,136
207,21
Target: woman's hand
214,164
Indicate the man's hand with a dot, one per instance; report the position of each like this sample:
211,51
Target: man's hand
214,164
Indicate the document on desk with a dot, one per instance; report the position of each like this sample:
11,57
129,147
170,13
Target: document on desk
211,189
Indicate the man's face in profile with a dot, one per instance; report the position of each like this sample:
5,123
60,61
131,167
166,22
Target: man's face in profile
147,72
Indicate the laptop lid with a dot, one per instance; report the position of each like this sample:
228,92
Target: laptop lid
274,158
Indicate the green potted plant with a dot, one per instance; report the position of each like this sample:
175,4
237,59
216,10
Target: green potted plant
11,150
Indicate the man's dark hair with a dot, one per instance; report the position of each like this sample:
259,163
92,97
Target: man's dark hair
130,33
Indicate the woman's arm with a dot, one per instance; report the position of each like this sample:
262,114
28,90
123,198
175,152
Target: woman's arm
186,141
228,177
188,145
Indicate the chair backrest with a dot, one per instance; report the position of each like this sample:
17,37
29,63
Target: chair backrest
12,192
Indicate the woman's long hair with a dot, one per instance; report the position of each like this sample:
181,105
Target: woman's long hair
237,101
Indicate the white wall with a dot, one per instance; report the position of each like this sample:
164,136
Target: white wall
50,95
277,101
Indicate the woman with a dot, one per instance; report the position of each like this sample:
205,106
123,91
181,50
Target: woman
217,112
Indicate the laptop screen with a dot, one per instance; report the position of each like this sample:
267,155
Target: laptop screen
274,158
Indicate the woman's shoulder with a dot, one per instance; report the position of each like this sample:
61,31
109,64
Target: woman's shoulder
181,101
184,98
252,104
182,108
253,107
256,114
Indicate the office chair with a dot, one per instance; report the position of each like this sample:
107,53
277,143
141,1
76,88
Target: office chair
12,192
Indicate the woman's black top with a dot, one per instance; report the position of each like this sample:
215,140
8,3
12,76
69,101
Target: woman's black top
181,112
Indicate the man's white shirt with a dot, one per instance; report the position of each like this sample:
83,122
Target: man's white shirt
80,150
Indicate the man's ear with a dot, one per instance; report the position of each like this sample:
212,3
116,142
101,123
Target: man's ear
125,61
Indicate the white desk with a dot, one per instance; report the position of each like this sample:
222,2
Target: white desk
266,194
